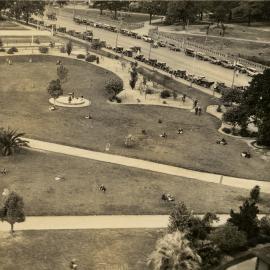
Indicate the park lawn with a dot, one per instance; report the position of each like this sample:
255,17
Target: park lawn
24,106
8,25
107,15
129,190
125,249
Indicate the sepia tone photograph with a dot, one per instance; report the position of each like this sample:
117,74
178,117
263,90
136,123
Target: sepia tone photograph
134,135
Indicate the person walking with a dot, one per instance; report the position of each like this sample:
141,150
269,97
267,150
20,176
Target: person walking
196,110
199,111
195,103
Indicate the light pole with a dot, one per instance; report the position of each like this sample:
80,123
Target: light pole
119,29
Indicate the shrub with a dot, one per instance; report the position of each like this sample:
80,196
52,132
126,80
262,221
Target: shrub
63,50
1,42
227,130
90,58
165,94
255,193
69,47
130,141
228,238
113,87
2,50
81,56
209,253
43,49
265,225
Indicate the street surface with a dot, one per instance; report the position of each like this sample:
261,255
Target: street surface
176,60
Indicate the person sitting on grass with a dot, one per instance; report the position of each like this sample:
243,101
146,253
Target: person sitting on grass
164,135
52,108
58,62
89,116
245,154
180,131
4,171
222,142
102,188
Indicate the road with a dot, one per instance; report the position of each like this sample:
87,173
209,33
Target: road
176,60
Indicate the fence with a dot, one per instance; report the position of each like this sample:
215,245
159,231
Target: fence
181,42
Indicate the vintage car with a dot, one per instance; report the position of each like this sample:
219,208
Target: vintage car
189,52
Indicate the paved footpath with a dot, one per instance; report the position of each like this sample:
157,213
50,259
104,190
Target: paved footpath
97,222
148,165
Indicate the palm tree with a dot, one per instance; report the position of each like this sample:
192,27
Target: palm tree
173,252
10,141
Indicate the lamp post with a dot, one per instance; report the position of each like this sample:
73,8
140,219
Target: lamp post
119,29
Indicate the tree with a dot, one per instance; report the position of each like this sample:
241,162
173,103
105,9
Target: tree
116,5
26,8
55,89
11,142
153,8
250,10
228,238
134,77
255,193
232,96
174,252
101,5
69,47
255,105
235,116
246,220
62,3
62,73
185,11
195,228
13,210
179,218
113,87
209,253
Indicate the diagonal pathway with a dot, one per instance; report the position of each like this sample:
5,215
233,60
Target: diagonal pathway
148,165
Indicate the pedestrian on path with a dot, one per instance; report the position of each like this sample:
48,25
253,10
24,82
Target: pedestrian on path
195,103
199,111
196,110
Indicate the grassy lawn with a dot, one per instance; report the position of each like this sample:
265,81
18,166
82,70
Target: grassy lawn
24,106
24,39
93,249
107,15
129,190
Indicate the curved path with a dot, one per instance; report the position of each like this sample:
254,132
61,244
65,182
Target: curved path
148,165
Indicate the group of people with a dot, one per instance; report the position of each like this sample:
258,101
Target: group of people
165,135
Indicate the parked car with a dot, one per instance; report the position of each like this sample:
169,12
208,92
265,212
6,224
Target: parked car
161,44
226,64
118,49
251,71
136,49
62,29
180,73
173,47
214,60
189,52
128,53
140,57
240,67
147,38
200,55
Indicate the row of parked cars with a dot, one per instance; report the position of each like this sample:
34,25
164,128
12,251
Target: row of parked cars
222,62
135,52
